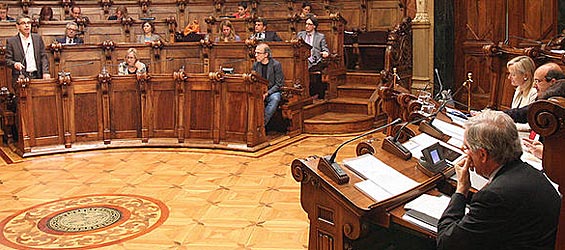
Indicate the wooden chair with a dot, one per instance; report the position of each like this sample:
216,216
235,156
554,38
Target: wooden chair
547,118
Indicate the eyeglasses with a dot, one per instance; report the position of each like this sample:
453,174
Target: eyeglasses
259,52
309,24
24,23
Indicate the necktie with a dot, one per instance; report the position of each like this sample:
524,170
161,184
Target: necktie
71,41
309,39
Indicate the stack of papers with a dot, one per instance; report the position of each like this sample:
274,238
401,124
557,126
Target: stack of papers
380,180
426,210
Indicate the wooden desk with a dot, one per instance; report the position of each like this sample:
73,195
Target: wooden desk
342,217
179,110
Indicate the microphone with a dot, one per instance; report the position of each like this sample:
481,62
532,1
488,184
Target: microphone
332,169
25,57
428,128
393,146
439,83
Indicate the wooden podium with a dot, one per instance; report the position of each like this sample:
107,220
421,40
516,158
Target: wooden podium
342,217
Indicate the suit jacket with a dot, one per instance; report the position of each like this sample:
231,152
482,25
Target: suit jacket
518,209
270,36
274,74
319,45
63,40
15,53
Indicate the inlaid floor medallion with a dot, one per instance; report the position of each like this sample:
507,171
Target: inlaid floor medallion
83,222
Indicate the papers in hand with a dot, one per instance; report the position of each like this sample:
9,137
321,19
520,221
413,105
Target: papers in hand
381,181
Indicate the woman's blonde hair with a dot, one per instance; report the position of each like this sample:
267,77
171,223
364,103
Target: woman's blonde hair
526,66
231,36
132,51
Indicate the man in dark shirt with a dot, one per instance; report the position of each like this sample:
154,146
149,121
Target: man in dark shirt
517,209
271,70
261,33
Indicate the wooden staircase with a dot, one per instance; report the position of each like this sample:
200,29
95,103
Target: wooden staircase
353,110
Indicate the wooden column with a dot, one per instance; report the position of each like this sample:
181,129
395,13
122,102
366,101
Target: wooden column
423,47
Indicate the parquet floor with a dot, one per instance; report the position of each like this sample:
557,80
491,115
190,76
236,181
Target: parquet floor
216,199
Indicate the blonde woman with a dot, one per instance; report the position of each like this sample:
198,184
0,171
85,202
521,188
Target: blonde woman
521,75
131,64
227,33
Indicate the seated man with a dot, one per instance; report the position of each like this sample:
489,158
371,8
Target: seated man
76,13
71,37
270,69
545,77
261,33
319,50
517,209
4,13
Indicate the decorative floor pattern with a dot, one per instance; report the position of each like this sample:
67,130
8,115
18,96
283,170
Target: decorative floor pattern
216,200
92,220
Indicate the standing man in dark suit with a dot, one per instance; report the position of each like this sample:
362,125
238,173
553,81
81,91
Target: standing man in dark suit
271,70
70,37
25,52
261,33
319,50
517,209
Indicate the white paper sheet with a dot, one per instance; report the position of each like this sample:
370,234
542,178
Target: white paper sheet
382,175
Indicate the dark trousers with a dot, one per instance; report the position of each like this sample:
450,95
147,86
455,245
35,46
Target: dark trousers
317,87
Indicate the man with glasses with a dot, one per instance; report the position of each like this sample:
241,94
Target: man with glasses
71,37
270,69
517,209
25,52
319,50
545,77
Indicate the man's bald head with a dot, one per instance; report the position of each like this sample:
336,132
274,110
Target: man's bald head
541,83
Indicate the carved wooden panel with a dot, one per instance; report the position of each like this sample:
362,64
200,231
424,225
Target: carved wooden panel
200,99
86,111
162,108
125,106
383,15
482,22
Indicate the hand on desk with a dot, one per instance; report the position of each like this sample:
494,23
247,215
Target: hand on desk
463,177
534,147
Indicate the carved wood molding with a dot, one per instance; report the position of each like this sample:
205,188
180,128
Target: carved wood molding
108,46
67,4
127,22
21,87
106,4
25,6
144,4
182,5
56,49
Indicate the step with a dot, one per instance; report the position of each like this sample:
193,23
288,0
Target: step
356,90
317,107
334,122
363,78
349,105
